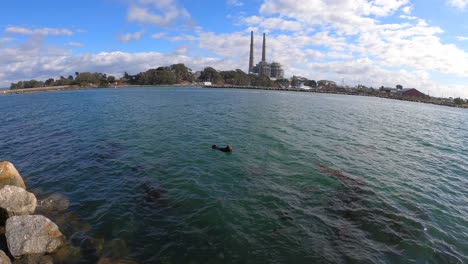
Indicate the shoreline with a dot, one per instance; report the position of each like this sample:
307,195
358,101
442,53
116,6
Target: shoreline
423,100
429,100
76,87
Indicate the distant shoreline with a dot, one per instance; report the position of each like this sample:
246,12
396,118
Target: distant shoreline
76,87
429,100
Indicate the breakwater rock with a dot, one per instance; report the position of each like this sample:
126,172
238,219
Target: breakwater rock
9,175
16,201
4,259
28,237
32,234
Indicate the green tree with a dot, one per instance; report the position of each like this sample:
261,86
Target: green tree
18,85
159,76
458,101
311,83
182,73
210,75
399,87
49,82
126,76
164,76
242,78
261,81
237,77
86,78
229,77
111,79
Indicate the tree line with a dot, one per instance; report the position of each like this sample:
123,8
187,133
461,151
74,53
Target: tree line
168,75
82,79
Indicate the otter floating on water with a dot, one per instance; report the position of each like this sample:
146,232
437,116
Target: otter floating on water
228,148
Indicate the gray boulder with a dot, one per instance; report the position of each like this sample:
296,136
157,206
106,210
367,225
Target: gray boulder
10,176
32,234
4,259
17,201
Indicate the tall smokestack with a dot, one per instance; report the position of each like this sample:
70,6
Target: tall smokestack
264,49
251,59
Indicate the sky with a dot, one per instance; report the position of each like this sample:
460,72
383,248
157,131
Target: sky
419,44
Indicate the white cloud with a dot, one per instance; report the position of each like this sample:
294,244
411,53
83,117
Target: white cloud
157,12
230,51
5,40
130,36
459,4
408,17
345,16
273,23
38,31
75,44
318,39
234,3
351,29
407,9
158,35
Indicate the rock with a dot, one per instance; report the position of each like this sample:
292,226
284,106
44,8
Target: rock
17,201
68,254
32,234
35,259
10,176
52,204
4,259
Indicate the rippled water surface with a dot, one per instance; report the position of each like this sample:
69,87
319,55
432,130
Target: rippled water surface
313,178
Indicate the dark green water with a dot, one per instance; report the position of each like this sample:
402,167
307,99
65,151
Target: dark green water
313,178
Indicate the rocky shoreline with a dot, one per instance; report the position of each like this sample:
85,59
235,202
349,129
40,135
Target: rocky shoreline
40,229
29,237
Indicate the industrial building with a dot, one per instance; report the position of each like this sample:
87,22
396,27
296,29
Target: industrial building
271,70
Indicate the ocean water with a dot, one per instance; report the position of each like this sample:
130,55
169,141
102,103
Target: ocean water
313,178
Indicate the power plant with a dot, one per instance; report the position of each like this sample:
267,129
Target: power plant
271,70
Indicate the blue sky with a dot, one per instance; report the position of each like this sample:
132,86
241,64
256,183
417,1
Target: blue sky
421,44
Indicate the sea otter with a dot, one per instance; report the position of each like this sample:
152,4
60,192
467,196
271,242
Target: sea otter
228,148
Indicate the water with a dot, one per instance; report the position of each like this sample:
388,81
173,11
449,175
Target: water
313,178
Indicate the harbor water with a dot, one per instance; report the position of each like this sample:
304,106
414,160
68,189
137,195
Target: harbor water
313,178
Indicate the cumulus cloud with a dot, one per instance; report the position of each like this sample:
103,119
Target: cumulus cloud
348,40
38,31
347,31
33,59
130,36
157,12
459,4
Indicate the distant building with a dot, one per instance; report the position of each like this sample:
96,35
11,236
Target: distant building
411,92
326,83
388,90
271,70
